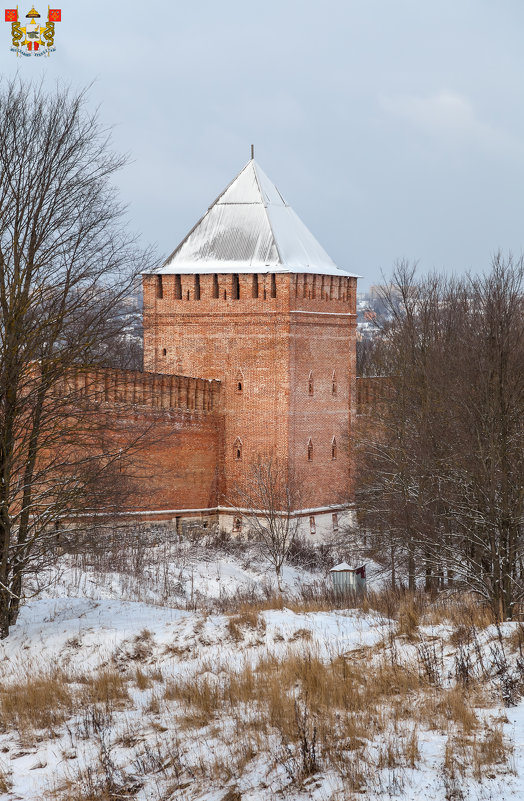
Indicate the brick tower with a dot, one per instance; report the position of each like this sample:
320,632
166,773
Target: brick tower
250,298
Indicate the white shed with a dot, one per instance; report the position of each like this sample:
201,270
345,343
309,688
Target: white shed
348,579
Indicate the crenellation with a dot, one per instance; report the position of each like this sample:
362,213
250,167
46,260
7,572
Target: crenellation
274,343
274,352
133,388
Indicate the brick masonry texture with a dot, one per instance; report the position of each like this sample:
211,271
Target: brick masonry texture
178,467
170,428
283,348
143,389
371,392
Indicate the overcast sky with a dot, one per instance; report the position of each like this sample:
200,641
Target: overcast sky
394,129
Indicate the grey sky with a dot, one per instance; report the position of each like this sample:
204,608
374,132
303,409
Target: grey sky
394,129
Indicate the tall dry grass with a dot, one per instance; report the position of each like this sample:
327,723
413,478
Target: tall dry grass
38,702
5,779
107,687
409,609
359,714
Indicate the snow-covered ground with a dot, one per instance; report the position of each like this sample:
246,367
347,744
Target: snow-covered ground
151,737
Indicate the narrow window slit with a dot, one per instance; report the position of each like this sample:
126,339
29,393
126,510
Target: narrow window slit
310,451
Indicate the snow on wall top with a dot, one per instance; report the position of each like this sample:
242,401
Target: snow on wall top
250,228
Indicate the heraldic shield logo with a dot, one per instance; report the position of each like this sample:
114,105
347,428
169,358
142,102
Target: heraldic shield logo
33,39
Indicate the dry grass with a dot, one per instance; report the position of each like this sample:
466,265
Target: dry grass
490,750
194,694
516,639
143,681
5,780
456,709
246,618
395,752
451,707
359,714
232,795
410,609
408,616
476,755
173,649
108,687
301,634
93,784
46,701
142,646
458,610
411,750
39,702
338,695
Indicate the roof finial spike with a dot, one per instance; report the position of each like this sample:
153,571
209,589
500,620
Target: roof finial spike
252,151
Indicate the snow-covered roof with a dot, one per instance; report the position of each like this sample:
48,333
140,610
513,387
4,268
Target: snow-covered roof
248,229
342,566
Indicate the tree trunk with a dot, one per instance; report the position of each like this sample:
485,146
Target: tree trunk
412,581
393,570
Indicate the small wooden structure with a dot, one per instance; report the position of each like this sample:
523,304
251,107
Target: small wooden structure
348,579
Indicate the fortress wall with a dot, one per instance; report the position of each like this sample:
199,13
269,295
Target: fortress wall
176,469
228,333
372,391
177,428
131,387
261,336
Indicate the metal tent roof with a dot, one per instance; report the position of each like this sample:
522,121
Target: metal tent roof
250,229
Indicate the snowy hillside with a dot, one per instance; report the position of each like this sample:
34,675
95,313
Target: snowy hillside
105,698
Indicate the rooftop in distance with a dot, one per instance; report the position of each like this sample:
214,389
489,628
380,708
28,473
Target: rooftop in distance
250,229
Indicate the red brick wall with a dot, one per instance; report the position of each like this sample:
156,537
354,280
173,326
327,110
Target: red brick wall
372,391
268,344
170,429
322,369
228,339
155,390
177,466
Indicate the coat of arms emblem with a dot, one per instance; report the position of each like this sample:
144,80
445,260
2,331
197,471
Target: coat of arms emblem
33,39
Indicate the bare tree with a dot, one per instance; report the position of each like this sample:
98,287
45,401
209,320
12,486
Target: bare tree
442,461
397,454
66,264
267,502
366,350
483,488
